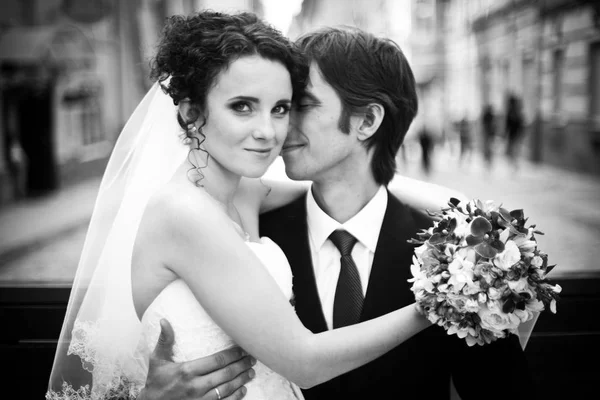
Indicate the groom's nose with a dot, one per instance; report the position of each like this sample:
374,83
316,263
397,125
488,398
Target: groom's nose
294,124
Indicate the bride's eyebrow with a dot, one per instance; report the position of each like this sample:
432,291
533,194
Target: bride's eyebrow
245,98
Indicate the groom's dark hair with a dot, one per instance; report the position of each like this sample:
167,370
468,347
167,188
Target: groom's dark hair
364,69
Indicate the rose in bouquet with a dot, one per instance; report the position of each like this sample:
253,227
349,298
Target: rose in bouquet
478,271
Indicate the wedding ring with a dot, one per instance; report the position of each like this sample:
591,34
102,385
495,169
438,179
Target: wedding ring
218,394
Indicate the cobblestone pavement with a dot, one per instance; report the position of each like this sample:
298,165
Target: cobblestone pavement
41,240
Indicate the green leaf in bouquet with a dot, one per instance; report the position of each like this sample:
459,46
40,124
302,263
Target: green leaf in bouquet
509,305
525,296
437,238
550,268
480,226
505,214
453,202
517,214
479,204
485,250
452,225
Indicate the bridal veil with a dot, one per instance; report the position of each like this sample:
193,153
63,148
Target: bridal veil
100,333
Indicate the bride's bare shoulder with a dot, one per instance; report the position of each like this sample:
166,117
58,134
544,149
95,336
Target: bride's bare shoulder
176,204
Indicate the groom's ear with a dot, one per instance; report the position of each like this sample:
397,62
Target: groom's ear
370,121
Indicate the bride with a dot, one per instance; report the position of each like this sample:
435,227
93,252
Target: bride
175,228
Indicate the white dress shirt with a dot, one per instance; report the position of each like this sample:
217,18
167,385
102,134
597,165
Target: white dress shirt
364,226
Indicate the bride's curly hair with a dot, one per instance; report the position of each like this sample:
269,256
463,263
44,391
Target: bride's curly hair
194,49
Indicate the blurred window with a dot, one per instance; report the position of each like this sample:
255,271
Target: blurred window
595,86
558,61
84,110
529,80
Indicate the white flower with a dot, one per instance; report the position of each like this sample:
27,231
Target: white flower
433,318
419,279
460,332
493,305
553,306
472,288
526,246
420,250
493,293
534,305
482,298
462,226
471,305
521,286
443,288
504,235
557,288
450,249
537,261
509,257
462,272
496,321
524,315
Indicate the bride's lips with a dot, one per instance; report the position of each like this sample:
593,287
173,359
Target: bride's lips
260,152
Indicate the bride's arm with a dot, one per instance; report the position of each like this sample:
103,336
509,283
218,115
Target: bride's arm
422,195
244,300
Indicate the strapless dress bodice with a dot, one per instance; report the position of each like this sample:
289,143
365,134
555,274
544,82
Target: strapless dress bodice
197,335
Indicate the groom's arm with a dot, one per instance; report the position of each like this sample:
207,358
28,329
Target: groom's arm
227,371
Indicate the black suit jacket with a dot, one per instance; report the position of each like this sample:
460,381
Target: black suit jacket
421,367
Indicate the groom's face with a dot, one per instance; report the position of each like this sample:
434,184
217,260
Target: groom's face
315,146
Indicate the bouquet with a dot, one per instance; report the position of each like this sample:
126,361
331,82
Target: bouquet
478,271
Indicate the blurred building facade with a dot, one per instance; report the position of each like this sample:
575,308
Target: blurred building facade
71,73
469,54
380,17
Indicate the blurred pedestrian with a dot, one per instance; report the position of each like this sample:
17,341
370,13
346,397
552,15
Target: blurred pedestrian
513,128
17,162
426,142
464,134
489,131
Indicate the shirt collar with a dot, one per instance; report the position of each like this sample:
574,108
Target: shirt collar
364,226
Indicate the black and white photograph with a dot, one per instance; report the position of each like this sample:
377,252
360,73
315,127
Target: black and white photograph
299,199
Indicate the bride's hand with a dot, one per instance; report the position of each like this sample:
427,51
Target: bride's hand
226,371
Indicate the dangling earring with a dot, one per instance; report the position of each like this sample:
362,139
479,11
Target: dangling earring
197,136
188,140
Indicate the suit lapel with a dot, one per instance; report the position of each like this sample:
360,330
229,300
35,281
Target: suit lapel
297,248
388,288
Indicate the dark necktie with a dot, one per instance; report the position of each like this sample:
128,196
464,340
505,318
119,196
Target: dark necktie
348,302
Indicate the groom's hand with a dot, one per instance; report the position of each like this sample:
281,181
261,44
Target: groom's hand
227,371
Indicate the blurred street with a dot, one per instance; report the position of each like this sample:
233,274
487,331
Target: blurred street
562,204
41,239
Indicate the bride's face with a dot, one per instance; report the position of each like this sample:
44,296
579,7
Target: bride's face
248,115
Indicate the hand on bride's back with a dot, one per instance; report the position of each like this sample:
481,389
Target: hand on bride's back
228,371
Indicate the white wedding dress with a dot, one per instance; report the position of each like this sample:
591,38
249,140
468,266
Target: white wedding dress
197,335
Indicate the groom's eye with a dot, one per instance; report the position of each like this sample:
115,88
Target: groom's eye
302,106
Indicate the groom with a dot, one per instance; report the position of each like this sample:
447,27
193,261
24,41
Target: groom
345,134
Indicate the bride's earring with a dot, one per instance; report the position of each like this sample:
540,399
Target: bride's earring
198,156
187,140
